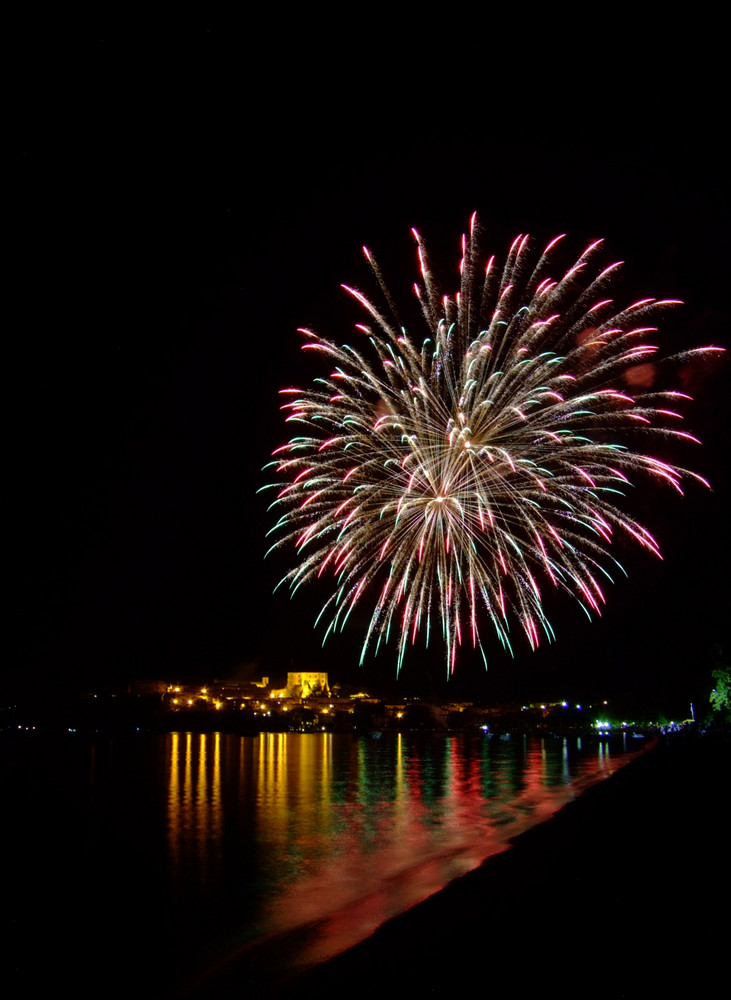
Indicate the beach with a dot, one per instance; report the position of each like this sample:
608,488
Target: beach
625,892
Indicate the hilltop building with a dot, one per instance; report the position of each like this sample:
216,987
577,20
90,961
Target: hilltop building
304,684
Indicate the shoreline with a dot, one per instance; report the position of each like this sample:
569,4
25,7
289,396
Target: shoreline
623,891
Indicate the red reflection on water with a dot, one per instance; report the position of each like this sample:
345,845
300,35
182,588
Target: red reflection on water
408,822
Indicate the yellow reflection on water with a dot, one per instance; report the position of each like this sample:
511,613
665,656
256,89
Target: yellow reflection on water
194,804
294,785
349,832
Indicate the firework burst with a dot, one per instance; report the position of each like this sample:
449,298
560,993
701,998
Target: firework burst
452,481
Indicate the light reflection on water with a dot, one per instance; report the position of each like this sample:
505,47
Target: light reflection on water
346,833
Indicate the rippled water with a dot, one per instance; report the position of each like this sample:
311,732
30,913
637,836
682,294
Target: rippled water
162,859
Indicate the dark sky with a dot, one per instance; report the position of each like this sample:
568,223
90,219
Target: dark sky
182,199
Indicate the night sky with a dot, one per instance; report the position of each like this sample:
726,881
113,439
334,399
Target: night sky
181,200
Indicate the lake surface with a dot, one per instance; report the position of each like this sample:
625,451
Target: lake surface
155,861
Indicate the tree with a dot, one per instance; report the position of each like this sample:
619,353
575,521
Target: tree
720,697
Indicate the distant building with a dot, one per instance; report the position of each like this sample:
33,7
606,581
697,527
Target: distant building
304,684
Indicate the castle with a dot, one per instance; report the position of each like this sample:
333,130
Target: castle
303,684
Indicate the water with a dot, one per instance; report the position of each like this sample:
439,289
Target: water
159,860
